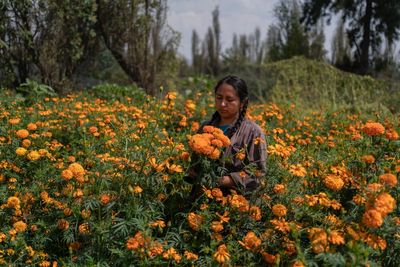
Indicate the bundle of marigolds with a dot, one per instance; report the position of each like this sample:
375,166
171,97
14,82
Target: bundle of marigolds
206,148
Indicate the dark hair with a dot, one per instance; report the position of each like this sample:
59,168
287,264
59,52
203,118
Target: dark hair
240,87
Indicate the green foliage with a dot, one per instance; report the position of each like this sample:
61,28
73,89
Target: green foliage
308,83
32,91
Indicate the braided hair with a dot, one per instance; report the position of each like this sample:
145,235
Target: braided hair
240,87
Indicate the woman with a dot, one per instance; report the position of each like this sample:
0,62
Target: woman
247,153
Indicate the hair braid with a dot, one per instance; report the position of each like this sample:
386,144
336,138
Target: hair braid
239,121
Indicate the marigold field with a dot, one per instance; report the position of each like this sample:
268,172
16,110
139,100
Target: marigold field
87,180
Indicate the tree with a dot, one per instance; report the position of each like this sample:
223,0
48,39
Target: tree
136,33
366,21
287,38
44,39
341,50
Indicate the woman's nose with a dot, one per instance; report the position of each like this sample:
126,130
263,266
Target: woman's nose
223,103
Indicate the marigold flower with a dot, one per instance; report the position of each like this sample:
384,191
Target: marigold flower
216,226
172,254
105,199
135,242
373,129
333,182
14,121
250,241
388,179
86,214
385,203
298,263
222,255
255,213
372,218
137,189
22,133
20,151
63,224
154,249
279,210
279,189
31,126
195,221
336,238
319,239
190,256
20,226
77,169
33,155
392,135
157,223
268,258
298,170
13,202
368,159
83,228
67,174
239,202
26,143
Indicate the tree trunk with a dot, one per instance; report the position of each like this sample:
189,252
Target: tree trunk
366,41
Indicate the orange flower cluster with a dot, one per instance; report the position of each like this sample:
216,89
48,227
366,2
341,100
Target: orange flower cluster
279,210
334,182
239,202
323,200
383,204
319,240
74,170
222,255
388,179
195,221
373,129
250,241
298,170
209,142
142,243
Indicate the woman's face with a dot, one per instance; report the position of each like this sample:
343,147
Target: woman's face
227,103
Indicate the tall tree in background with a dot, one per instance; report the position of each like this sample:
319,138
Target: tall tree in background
288,37
136,33
366,21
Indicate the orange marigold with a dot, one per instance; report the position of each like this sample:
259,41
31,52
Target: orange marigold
216,226
23,133
20,226
336,238
33,155
239,202
222,255
67,174
373,129
279,210
388,179
392,135
298,170
77,169
368,159
31,126
250,241
195,221
190,256
333,182
372,218
255,213
20,151
385,203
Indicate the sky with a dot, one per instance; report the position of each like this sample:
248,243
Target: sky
235,16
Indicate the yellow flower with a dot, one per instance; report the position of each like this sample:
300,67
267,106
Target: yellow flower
20,151
33,155
77,170
222,255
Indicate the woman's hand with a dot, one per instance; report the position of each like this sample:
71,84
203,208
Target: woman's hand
226,182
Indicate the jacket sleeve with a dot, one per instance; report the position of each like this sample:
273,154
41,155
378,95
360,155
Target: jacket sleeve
254,163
